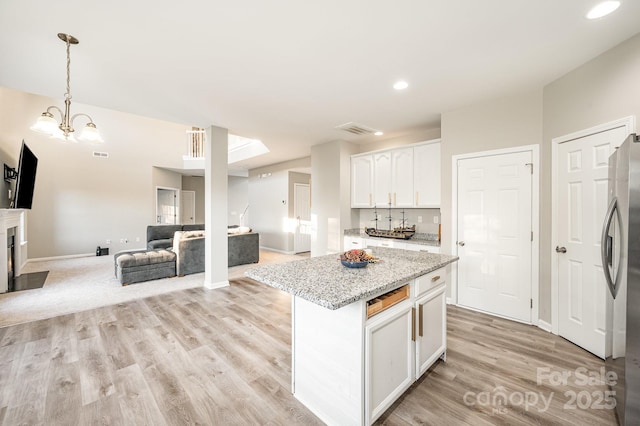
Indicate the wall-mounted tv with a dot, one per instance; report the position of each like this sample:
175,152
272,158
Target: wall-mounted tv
26,179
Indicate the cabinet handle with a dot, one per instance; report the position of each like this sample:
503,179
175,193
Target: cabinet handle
417,198
436,278
420,321
394,199
384,245
413,324
389,197
353,242
370,200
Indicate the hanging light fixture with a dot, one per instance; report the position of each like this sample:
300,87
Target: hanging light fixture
47,124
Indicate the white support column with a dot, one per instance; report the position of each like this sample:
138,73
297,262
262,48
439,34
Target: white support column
216,274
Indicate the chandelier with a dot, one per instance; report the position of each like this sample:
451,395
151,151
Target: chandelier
47,124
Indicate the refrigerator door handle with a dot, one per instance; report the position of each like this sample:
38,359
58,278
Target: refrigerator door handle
606,249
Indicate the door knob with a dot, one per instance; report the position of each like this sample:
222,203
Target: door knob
461,243
561,249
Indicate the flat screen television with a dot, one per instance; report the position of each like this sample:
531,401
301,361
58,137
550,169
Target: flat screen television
26,179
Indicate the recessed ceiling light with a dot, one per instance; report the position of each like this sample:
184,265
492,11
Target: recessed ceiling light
400,85
603,9
378,133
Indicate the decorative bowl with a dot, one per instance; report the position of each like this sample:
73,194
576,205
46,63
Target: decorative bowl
354,264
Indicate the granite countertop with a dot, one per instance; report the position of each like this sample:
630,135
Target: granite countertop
326,282
418,238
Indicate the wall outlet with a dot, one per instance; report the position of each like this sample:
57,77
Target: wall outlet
121,240
108,241
137,239
436,219
419,219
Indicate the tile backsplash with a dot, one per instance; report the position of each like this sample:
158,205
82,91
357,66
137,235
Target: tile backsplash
412,217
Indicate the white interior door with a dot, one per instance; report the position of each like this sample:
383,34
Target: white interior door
494,234
302,213
166,206
581,187
188,207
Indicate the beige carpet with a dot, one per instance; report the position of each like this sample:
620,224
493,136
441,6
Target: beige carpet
79,284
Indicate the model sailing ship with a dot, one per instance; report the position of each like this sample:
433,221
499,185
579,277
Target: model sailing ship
402,232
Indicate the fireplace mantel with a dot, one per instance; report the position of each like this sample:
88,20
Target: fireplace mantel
10,218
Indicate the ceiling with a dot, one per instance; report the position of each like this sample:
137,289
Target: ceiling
288,72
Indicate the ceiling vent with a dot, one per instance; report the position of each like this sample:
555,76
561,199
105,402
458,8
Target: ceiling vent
100,154
356,128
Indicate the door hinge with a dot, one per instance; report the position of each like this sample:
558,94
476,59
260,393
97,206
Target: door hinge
529,164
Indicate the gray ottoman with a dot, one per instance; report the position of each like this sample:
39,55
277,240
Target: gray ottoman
144,265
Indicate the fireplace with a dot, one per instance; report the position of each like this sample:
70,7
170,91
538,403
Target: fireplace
11,253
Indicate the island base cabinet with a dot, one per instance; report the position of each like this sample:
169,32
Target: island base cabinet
389,358
327,360
431,341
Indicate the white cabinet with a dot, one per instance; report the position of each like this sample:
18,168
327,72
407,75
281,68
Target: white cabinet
402,178
389,358
431,341
402,173
382,179
380,242
353,242
350,365
426,175
393,178
362,181
417,247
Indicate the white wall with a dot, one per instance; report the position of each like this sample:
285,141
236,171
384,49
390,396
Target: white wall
81,201
602,90
238,200
268,200
365,218
500,123
331,211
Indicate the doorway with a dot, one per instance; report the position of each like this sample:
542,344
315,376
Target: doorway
579,200
495,235
302,213
188,207
167,206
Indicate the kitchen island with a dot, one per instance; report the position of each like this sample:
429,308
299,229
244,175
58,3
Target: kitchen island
361,337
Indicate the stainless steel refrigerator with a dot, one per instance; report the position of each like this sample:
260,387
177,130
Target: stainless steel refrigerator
621,266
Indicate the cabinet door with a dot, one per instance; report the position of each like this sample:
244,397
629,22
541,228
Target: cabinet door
380,242
389,358
402,177
362,181
382,179
353,243
426,166
431,341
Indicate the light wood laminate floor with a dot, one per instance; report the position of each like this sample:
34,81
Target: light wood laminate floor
221,357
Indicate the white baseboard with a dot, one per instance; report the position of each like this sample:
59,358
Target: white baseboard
545,326
70,256
219,284
450,301
276,250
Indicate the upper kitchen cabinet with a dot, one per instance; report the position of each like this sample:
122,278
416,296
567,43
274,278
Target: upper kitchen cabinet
426,174
362,181
404,177
393,178
382,179
402,171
